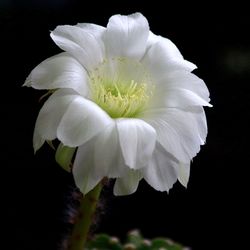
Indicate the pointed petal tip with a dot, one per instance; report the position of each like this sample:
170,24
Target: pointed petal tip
184,173
35,149
118,192
189,65
51,34
207,104
127,184
184,184
38,141
27,82
84,188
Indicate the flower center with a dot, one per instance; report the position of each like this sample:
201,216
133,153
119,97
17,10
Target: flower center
121,87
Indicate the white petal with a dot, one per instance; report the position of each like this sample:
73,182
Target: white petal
108,159
137,140
50,116
176,98
161,172
127,184
98,158
38,140
163,57
199,119
60,71
183,171
152,39
126,36
180,132
83,173
85,47
93,29
82,120
184,80
180,89
171,52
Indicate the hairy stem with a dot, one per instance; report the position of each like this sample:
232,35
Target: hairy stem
86,213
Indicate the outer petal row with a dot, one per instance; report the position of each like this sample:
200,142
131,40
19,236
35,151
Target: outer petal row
162,57
70,118
161,173
83,45
81,121
128,183
180,89
59,71
123,145
180,132
50,116
125,36
114,146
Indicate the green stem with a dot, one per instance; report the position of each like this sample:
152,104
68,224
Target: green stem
84,220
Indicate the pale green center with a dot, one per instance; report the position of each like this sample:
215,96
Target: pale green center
121,87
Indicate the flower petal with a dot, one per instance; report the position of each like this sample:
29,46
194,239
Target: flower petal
85,47
127,184
82,120
60,71
180,132
50,116
38,140
199,118
126,36
176,98
183,173
163,57
98,158
184,80
93,29
137,140
161,171
108,159
83,173
180,89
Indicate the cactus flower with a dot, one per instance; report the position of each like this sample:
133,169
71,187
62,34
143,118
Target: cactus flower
126,99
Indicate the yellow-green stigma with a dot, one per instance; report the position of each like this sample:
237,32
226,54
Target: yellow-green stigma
117,95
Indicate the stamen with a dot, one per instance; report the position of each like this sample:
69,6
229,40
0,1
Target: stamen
119,97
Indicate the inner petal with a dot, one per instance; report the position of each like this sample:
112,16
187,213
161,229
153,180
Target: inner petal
122,87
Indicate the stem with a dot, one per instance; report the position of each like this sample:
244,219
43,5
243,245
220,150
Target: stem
84,220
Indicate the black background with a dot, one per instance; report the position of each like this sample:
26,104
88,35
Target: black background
211,212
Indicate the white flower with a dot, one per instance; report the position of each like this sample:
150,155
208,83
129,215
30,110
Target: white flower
127,99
